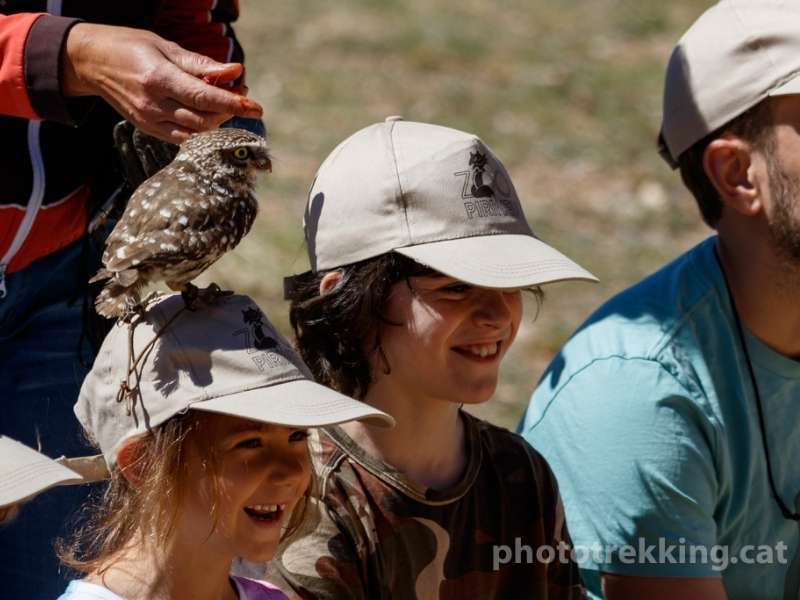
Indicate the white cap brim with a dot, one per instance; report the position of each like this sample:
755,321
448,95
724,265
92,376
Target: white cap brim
298,403
24,473
498,261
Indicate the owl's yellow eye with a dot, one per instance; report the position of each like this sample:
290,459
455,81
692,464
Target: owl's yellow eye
241,153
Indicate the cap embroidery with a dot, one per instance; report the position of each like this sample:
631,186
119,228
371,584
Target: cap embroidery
259,345
481,198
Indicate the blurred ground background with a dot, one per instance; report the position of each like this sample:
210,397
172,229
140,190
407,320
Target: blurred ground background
566,92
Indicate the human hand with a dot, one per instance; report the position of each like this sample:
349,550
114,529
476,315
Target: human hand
164,90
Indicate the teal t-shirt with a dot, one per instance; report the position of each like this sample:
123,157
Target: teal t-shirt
648,419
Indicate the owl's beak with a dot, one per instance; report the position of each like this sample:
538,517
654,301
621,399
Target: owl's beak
263,163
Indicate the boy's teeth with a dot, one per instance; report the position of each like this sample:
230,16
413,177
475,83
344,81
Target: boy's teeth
484,350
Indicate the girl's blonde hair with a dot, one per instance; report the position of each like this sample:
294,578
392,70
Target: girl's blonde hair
113,518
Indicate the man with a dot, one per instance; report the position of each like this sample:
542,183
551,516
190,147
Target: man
670,416
66,77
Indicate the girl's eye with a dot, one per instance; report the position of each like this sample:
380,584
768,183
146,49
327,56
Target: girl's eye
249,443
298,436
457,288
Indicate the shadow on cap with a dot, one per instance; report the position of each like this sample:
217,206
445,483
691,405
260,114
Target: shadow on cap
226,358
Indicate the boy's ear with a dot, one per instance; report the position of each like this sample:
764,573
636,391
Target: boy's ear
329,281
130,463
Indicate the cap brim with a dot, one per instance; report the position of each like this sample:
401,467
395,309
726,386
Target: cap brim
25,473
298,403
498,261
790,87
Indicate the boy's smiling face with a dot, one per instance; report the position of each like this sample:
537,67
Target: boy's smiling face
261,470
448,339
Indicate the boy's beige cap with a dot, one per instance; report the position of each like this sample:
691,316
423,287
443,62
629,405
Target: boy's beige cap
24,473
437,195
735,55
226,358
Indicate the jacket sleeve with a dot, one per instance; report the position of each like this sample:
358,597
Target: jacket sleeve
202,26
31,45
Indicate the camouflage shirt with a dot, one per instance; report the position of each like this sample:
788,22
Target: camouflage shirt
371,533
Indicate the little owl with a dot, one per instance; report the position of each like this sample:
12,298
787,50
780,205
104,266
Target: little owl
183,218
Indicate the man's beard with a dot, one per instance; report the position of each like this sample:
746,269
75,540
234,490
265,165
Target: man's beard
784,225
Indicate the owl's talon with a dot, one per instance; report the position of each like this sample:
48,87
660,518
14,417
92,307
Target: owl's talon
133,311
190,293
198,298
149,298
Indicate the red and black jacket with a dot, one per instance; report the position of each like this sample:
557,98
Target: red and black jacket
56,154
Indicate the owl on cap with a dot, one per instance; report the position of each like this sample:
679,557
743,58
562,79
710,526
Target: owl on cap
183,218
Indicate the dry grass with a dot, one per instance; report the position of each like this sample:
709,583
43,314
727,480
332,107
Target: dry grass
567,93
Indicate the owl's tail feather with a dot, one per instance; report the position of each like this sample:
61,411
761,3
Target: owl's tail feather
116,300
100,275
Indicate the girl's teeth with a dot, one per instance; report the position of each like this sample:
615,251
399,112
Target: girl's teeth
266,507
485,350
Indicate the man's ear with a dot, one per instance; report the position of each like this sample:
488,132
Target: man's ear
129,461
734,170
329,281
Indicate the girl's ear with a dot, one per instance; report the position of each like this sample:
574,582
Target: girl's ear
130,463
329,281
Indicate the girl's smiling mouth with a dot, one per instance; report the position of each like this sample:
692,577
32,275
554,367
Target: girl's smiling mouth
266,513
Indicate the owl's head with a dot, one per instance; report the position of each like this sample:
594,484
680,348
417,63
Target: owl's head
230,150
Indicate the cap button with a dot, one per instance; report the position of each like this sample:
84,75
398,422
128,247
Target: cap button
393,118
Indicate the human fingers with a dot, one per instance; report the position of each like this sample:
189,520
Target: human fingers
223,76
196,120
168,131
202,66
194,94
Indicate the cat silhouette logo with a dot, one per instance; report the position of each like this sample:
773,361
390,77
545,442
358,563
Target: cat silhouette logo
253,318
477,160
486,189
264,350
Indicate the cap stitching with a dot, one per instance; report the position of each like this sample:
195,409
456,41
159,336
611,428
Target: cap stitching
451,238
402,199
535,267
288,378
751,36
783,81
33,471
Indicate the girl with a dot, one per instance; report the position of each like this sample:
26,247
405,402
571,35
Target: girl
419,251
205,440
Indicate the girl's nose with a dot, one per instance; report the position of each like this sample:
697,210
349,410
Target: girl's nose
289,467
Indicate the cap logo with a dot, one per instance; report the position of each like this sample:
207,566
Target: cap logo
260,345
483,199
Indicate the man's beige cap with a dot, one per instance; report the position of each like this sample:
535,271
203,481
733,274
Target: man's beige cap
435,194
226,358
735,55
24,472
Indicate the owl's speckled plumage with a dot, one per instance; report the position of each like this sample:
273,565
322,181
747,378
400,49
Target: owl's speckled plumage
185,217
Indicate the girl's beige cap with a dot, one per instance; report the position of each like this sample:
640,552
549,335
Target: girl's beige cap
226,358
435,194
24,473
735,55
